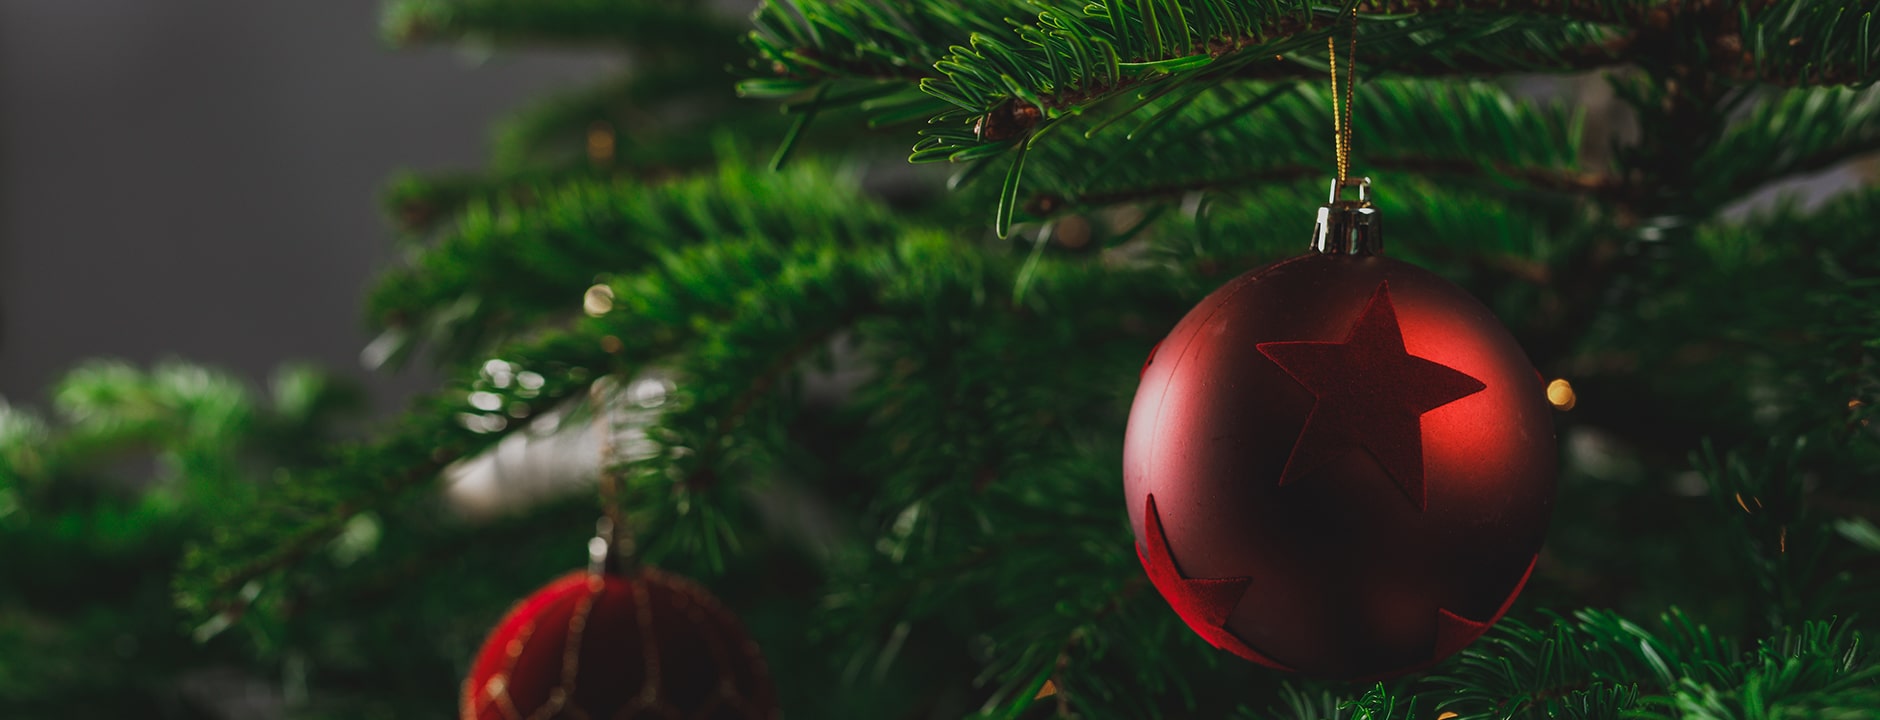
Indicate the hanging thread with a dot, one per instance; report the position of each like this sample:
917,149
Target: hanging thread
1341,124
602,397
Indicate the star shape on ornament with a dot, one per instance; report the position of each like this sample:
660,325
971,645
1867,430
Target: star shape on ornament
1203,603
1454,632
1372,394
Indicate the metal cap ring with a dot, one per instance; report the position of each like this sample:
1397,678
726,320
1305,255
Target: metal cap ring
1363,185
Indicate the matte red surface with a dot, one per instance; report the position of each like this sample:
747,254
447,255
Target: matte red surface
1203,603
1372,526
649,645
1368,393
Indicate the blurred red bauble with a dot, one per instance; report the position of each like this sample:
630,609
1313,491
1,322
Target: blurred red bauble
1340,465
644,644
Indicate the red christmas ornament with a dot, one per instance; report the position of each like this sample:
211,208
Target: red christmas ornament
1339,464
643,644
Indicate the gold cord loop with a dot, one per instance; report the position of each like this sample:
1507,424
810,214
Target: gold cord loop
1346,227
1341,123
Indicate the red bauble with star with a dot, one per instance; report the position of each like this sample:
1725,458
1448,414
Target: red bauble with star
1340,464
632,644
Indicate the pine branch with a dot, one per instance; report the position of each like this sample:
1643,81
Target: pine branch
590,139
950,400
1073,58
187,410
419,205
526,258
299,516
1731,311
833,40
1599,665
653,314
829,40
657,119
996,114
1821,669
1792,133
1797,42
1787,556
761,385
1240,140
198,422
1296,703
734,387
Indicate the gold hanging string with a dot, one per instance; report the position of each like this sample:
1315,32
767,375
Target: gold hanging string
1341,124
602,397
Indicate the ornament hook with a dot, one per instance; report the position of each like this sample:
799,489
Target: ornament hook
601,547
611,549
1363,185
1349,227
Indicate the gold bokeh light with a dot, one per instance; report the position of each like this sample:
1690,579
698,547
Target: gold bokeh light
600,143
1560,394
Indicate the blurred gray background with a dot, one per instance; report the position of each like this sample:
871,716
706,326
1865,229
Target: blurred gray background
199,178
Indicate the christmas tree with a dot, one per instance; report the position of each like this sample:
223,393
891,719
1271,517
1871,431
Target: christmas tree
875,402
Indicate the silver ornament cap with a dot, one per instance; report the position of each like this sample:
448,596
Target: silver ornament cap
1349,227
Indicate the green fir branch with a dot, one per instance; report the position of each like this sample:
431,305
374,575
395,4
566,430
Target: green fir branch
1076,52
854,40
419,205
1596,665
72,511
978,452
1232,141
1818,670
223,574
1788,134
1797,42
1075,58
736,381
657,120
1793,320
661,122
500,268
1782,552
1600,664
